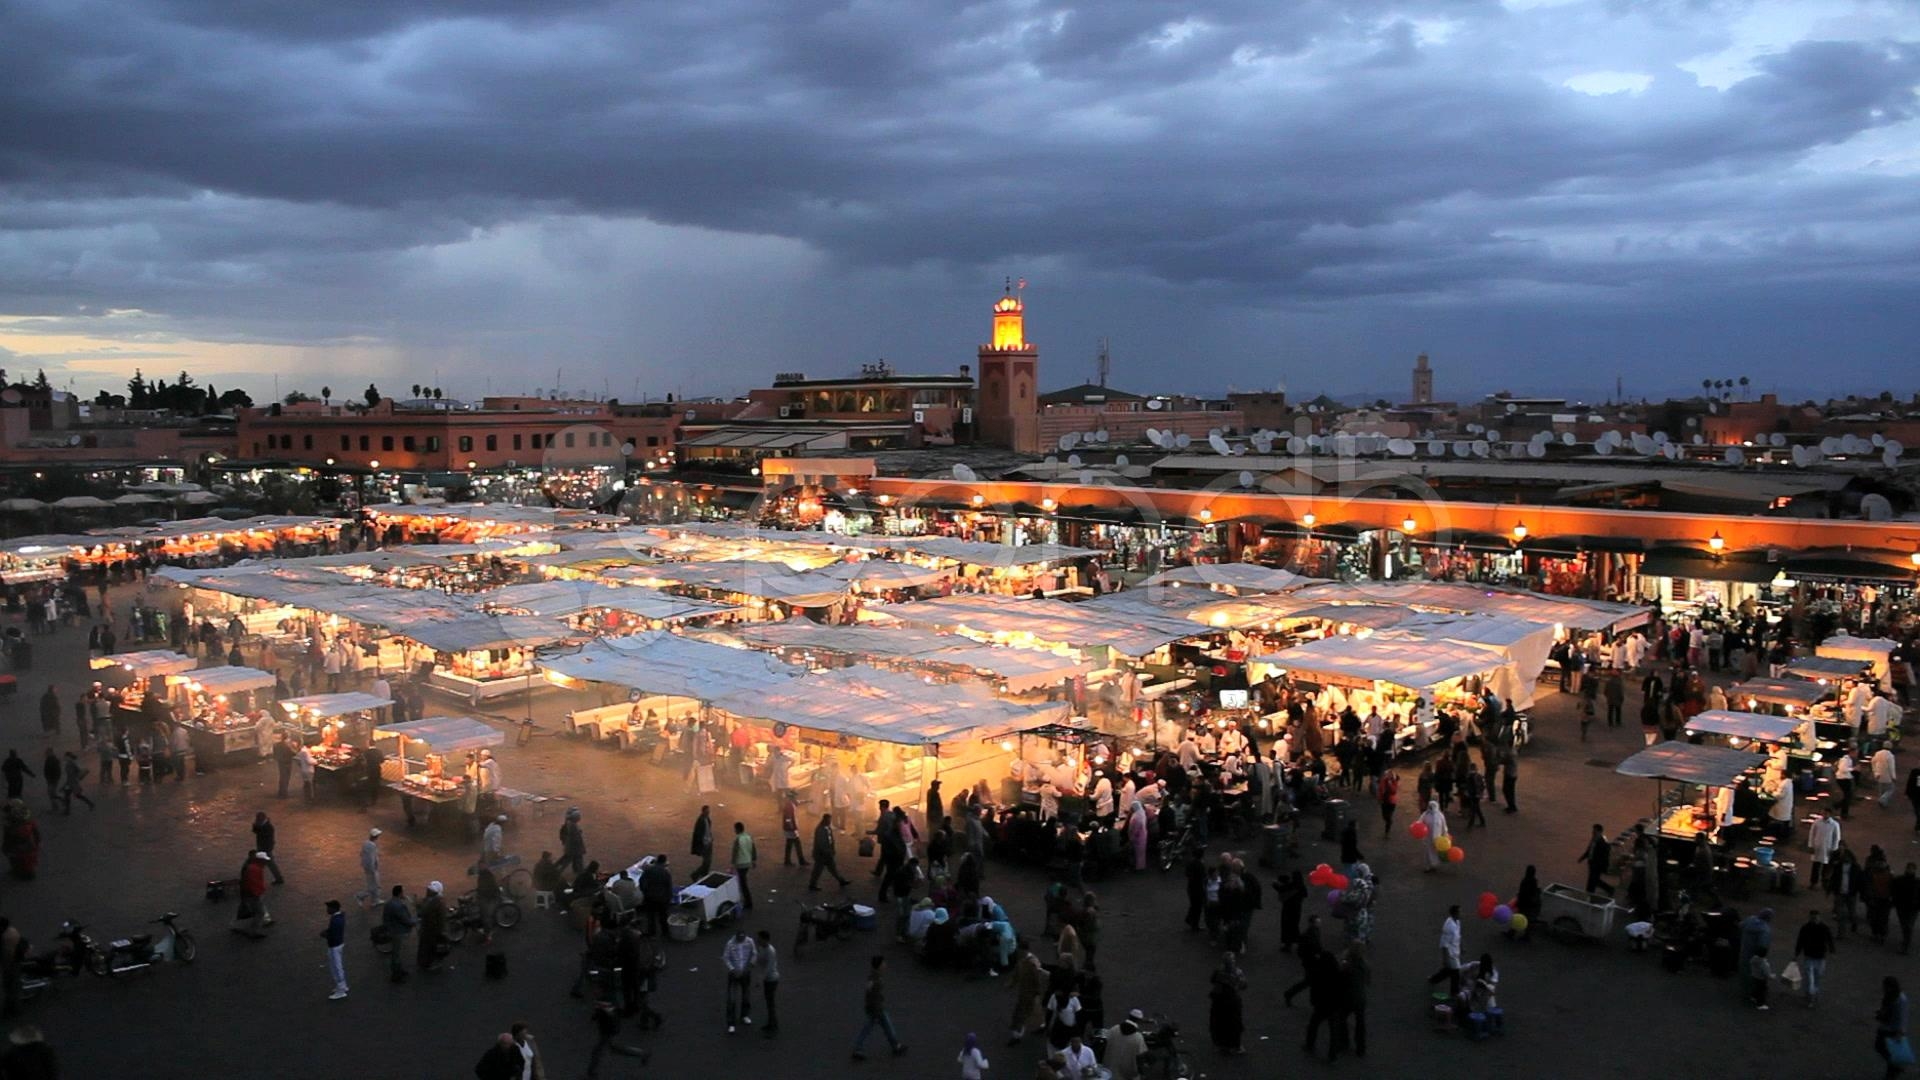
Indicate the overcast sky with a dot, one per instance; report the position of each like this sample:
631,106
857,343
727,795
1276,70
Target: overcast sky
641,198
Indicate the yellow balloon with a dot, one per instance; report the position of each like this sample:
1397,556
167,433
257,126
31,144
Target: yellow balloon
1518,924
1442,844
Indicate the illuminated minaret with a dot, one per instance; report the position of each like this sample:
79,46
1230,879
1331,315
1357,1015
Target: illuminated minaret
1422,381
1008,403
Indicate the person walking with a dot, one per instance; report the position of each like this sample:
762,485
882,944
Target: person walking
50,713
702,843
1029,980
283,762
369,870
1356,974
16,772
824,858
790,849
1473,788
745,858
263,841
1226,1019
1597,855
1823,836
1885,772
50,772
252,919
532,1065
335,935
573,843
1616,697
1905,891
433,928
72,774
1435,820
1844,768
606,1026
875,1009
738,956
1386,790
1811,947
1449,953
1913,797
502,1061
767,959
1890,1028
303,761
973,1063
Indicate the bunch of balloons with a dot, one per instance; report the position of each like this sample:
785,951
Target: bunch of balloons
1503,914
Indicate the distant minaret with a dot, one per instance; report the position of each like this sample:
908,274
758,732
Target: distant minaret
1422,381
1007,404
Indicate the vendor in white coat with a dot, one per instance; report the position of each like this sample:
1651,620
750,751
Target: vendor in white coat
1823,836
1881,714
1857,700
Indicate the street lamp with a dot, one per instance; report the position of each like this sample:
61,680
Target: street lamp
1520,531
1308,519
1049,504
374,464
1206,515
1717,542
1916,559
1407,524
979,500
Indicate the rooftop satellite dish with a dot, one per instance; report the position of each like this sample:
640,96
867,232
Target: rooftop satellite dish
1152,435
1052,459
1073,461
1493,434
1066,442
1614,438
1895,447
1699,439
1436,448
1474,429
1879,440
1602,447
1829,446
1776,439
1263,443
1660,438
1183,440
1462,448
1875,507
1566,438
964,474
1889,459
1400,447
1672,451
1085,478
1804,456
1246,479
1736,456
1219,445
1643,445
1480,448
1120,461
1512,408
1536,450
1296,445
1212,431
1100,436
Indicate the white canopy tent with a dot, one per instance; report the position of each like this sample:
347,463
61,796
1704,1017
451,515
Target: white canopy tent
869,703
1419,667
1566,611
867,640
978,553
1745,725
554,599
1524,644
764,580
875,574
225,680
477,632
669,665
1045,622
1242,578
146,663
323,706
1019,670
1876,651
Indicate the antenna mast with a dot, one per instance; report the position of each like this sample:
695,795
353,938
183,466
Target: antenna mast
1103,364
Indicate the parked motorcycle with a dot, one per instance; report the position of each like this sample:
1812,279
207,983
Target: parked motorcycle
823,921
133,953
466,917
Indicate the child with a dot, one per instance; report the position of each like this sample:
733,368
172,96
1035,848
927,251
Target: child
1759,975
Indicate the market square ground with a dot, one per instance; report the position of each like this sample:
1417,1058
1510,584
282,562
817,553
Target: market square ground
260,1008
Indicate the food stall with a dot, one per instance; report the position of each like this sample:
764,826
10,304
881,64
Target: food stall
1238,578
218,707
484,657
334,726
1369,672
417,761
666,677
599,608
1789,739
1705,781
130,700
1877,652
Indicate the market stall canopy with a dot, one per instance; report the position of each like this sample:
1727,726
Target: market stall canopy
226,680
1566,611
893,642
1686,763
322,706
881,574
146,663
1021,670
869,703
1372,616
1799,693
1239,576
21,505
1876,651
978,553
47,545
476,632
587,558
764,580
134,498
1744,725
1523,643
1047,622
445,734
82,502
1827,667
657,662
1246,612
554,599
1371,659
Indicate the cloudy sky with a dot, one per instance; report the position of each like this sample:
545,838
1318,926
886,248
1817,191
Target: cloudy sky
641,198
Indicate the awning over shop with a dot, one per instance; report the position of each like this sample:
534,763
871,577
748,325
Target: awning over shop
1239,576
1020,670
671,666
1798,693
1744,725
869,703
445,734
322,706
1827,667
1698,565
764,580
1685,763
146,663
1524,643
225,680
1851,564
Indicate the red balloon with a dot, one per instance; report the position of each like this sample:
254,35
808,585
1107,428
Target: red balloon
1456,854
1486,909
1339,881
1488,899
1316,878
1323,868
1417,830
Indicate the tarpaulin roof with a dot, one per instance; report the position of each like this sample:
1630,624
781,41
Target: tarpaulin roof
1780,691
1419,667
977,553
1524,643
1047,621
1744,725
1020,669
869,703
446,734
1714,766
477,632
657,662
1240,576
898,641
881,574
1451,596
1867,650
1827,667
768,581
558,598
147,662
226,680
321,706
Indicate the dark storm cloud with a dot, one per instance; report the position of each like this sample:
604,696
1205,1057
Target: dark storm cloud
302,172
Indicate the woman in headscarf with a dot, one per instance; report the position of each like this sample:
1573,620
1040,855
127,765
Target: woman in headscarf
1436,822
1357,902
1225,1022
1526,901
1137,833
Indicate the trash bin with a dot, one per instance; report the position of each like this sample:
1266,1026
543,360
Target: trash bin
1334,815
1273,844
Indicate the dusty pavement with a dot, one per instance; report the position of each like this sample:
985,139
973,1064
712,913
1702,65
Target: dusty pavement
251,1009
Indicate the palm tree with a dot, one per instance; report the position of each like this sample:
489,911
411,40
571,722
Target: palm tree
325,393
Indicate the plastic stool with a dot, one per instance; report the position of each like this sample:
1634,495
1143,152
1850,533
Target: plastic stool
543,900
1497,1021
1476,1026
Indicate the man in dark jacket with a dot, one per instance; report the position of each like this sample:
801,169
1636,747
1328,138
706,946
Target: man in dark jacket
433,928
283,761
50,712
1905,891
16,772
1598,854
263,841
824,861
656,895
573,842
702,844
397,919
335,935
502,1061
